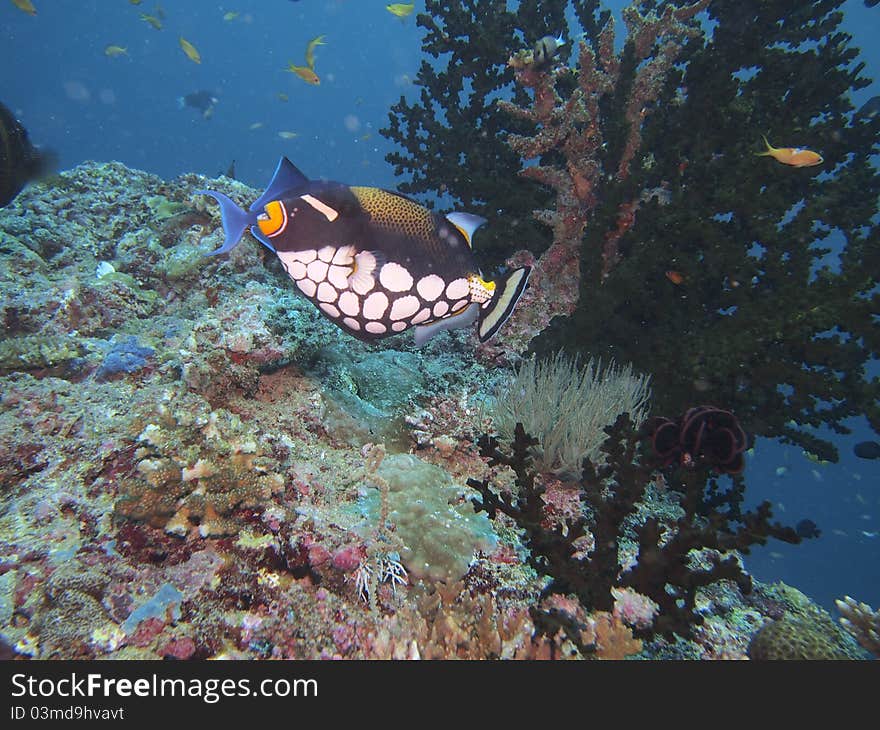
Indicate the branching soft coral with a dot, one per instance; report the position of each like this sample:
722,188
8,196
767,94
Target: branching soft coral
670,567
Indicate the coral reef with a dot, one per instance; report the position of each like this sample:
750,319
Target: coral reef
579,129
126,356
862,622
798,629
439,532
581,552
192,467
795,638
772,318
461,153
728,277
566,406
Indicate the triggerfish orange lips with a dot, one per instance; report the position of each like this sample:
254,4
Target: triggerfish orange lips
273,221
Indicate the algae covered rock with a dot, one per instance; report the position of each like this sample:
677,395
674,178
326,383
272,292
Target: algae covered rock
436,523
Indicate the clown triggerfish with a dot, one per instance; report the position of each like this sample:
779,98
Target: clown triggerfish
373,261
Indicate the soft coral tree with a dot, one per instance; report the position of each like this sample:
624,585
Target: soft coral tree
666,569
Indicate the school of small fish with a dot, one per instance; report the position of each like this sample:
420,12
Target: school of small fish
307,72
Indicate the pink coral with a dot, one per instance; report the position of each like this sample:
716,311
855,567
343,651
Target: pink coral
633,608
575,128
183,648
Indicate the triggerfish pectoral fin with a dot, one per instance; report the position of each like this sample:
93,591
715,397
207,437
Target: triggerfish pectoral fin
467,317
503,302
235,220
467,223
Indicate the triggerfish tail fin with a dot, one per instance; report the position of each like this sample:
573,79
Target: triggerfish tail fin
503,302
235,220
287,177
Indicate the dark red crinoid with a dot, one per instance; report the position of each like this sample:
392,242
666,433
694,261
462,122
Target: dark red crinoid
704,435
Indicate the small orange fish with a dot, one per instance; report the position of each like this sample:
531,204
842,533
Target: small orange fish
305,73
794,156
676,277
310,50
152,20
190,50
25,5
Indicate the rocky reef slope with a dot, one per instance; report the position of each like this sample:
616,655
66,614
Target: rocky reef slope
195,464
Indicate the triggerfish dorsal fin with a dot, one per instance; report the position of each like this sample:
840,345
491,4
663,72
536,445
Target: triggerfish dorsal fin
235,220
287,177
496,311
467,223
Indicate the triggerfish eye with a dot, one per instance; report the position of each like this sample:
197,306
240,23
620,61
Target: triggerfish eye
274,220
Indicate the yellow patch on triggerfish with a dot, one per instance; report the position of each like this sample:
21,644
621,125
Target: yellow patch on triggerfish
190,50
793,156
401,10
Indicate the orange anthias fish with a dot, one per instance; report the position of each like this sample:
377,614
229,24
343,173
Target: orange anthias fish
310,50
152,20
25,5
401,10
794,156
190,50
305,73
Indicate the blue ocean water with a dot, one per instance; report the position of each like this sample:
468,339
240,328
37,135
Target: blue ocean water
90,106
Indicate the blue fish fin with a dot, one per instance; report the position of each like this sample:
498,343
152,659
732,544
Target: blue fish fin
495,312
467,223
235,220
286,177
424,332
